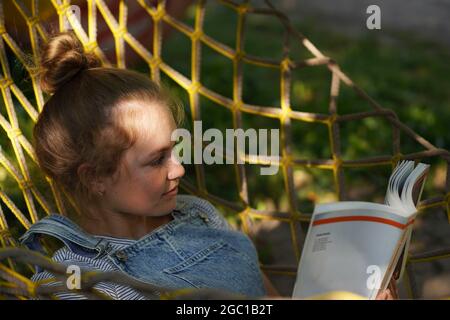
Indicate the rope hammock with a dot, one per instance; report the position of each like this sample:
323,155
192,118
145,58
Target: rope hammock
40,196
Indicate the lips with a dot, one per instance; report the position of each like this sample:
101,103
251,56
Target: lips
171,191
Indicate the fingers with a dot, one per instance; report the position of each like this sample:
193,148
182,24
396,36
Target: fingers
385,295
381,295
393,289
389,295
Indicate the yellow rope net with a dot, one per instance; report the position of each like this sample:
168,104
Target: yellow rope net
14,262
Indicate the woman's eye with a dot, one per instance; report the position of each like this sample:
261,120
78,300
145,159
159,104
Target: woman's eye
158,161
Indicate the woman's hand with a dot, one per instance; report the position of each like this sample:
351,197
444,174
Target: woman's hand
391,293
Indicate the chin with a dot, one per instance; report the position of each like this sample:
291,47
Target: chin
167,207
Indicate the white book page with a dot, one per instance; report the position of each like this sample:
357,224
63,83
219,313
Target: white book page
407,192
396,181
357,205
354,245
401,186
342,256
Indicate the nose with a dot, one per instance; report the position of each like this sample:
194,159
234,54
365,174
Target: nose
176,169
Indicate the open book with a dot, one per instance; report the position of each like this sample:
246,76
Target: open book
359,246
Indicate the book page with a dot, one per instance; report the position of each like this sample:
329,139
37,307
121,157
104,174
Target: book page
357,246
345,252
410,197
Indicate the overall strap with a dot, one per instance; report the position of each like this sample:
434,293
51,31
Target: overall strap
62,228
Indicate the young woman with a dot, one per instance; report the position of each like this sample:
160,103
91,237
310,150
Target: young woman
105,137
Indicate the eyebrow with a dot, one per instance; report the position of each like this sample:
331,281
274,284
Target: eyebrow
156,152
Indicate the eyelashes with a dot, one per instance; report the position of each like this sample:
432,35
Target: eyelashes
157,162
161,159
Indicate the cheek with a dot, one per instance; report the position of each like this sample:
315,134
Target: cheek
142,195
149,182
144,187
147,198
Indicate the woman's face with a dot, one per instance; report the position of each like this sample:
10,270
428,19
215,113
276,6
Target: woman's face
149,173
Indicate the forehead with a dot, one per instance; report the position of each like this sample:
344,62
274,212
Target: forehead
150,124
147,120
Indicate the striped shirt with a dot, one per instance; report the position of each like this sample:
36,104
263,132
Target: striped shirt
115,291
67,257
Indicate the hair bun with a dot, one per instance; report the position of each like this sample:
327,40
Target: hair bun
62,57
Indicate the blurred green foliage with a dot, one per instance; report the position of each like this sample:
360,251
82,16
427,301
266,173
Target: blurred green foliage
403,73
407,75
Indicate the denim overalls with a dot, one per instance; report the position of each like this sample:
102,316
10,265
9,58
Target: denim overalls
196,249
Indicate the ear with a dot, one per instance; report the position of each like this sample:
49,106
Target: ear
86,174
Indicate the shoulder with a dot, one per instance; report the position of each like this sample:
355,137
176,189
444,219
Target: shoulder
67,257
111,289
187,203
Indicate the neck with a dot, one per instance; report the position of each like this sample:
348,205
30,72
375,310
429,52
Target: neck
121,225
